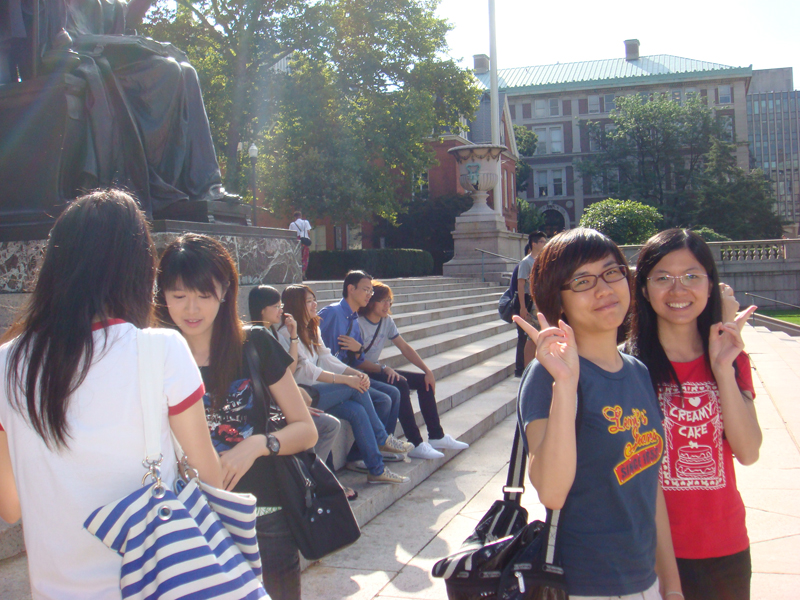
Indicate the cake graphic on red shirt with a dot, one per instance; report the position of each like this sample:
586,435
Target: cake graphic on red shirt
695,460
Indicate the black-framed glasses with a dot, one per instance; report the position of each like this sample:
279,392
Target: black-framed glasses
689,280
584,283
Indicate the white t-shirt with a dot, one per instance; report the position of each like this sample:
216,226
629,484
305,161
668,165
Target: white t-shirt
103,462
311,363
301,227
386,331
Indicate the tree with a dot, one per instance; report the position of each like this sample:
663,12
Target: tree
343,131
624,221
654,152
529,218
526,146
735,203
709,235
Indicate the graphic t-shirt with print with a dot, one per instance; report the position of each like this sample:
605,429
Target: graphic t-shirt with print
375,337
706,512
242,415
607,526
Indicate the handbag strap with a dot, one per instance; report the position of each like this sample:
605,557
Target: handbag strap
515,481
152,353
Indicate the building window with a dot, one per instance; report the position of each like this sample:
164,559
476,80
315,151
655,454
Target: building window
550,183
724,92
550,140
512,110
676,96
594,105
540,109
547,108
610,102
606,184
526,110
726,124
690,93
555,107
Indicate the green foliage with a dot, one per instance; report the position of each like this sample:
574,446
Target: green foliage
654,153
624,221
383,263
735,203
526,146
427,224
529,218
709,235
343,131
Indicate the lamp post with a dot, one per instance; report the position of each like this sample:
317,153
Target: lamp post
252,152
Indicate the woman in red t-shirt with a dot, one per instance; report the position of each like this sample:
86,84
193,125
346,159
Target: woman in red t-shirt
705,390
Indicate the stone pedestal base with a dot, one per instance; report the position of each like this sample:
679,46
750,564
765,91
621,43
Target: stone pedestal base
262,254
484,231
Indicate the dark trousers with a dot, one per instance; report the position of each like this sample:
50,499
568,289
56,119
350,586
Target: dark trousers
427,405
522,337
719,578
280,559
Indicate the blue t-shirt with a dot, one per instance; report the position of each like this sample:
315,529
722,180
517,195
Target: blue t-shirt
607,526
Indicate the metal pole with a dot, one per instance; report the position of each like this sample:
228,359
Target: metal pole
483,278
494,106
35,40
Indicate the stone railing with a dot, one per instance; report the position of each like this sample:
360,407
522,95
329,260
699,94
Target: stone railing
750,251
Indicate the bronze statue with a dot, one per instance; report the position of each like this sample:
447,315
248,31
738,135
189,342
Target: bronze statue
146,125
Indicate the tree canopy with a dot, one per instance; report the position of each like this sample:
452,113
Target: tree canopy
624,221
526,146
341,128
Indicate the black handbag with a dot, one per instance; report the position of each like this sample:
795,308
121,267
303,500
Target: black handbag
316,507
505,557
305,241
508,305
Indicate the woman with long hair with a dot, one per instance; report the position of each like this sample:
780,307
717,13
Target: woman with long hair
342,389
378,327
71,422
591,425
198,287
705,388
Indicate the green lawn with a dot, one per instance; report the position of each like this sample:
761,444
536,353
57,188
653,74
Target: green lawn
792,316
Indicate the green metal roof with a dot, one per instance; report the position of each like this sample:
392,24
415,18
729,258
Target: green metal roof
661,68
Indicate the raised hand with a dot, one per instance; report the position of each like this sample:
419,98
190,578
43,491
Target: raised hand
555,348
349,343
290,324
724,345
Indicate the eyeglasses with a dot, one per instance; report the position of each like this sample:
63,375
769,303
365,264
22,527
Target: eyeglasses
689,280
385,301
367,291
584,283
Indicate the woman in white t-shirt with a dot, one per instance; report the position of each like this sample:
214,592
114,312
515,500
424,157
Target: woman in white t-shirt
71,424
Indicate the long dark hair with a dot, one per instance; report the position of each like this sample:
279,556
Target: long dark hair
294,303
559,259
644,342
99,263
198,262
259,298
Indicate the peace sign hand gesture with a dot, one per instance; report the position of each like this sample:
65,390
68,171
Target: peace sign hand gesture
555,348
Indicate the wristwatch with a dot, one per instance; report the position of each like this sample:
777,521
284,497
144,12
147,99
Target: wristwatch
273,444
383,368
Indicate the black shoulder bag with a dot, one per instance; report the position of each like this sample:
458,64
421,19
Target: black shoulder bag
314,501
506,557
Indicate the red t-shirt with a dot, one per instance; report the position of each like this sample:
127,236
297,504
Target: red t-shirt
706,512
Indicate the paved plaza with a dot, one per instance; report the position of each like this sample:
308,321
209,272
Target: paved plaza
395,554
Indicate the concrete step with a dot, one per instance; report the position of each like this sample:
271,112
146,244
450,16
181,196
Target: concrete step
11,539
422,330
455,310
436,344
467,297
398,282
404,291
786,347
403,299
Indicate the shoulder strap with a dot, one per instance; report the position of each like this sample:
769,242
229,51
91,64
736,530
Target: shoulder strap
377,329
152,354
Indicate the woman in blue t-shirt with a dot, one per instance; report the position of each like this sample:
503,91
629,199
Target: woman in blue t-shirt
598,464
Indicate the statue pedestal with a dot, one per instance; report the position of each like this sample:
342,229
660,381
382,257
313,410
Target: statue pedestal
485,231
207,211
262,254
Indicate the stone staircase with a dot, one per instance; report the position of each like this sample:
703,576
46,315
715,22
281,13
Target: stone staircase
453,325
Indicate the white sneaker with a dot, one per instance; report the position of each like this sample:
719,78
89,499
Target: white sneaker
392,457
425,451
448,443
358,466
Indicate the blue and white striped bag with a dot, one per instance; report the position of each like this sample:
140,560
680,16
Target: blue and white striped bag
199,544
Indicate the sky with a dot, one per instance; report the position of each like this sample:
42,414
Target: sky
739,33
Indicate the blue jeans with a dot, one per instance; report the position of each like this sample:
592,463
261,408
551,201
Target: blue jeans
366,445
377,409
279,556
379,388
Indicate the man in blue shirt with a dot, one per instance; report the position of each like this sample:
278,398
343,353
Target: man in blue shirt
341,333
